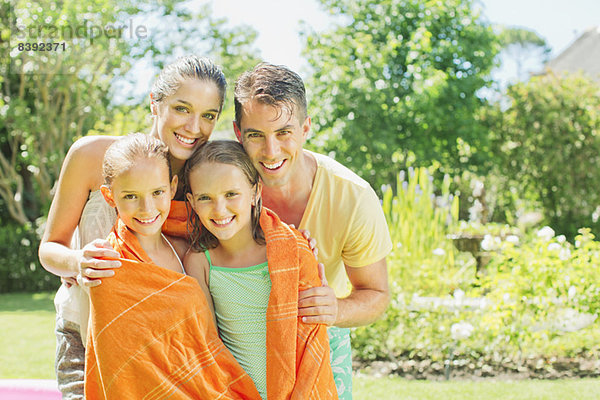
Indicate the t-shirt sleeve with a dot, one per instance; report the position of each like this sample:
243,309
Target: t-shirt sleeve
368,238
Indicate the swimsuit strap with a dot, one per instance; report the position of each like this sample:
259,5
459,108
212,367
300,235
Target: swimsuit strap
174,252
207,255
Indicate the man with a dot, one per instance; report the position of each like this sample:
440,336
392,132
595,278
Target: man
316,193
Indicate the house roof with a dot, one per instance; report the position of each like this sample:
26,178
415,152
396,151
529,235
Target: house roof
581,56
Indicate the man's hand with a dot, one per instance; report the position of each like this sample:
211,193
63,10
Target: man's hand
318,305
312,242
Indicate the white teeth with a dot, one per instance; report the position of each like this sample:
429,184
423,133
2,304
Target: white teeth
147,221
223,221
273,166
185,140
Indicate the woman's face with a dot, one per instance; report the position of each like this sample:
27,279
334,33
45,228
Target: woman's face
185,119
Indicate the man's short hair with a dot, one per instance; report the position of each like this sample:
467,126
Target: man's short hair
270,84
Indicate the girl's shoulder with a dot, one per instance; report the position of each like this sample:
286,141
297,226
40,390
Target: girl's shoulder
180,245
196,265
196,259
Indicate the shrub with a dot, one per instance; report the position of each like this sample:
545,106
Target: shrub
547,142
537,299
20,269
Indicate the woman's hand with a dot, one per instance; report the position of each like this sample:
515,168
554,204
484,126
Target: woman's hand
95,263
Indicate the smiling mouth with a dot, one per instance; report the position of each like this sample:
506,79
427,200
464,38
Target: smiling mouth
222,222
272,166
147,221
185,140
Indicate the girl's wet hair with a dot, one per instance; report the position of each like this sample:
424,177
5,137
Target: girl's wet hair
188,67
222,152
123,153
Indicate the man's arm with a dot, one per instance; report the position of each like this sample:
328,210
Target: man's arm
365,304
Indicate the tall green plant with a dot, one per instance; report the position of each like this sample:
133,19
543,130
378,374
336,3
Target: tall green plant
420,220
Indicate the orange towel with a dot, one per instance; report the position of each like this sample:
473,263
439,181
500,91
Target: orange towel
151,336
176,223
300,369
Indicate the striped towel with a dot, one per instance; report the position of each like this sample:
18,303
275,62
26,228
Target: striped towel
152,336
300,368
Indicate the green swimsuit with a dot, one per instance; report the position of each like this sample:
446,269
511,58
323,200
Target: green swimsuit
240,297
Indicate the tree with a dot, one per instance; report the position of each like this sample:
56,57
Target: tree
51,97
548,146
524,46
395,83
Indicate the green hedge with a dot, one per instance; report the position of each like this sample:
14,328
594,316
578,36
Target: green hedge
20,269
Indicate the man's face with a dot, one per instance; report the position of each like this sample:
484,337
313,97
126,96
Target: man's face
273,138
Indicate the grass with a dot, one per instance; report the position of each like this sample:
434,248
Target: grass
27,342
27,352
400,389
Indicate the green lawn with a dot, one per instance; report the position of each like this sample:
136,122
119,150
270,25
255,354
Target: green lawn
27,351
27,341
400,389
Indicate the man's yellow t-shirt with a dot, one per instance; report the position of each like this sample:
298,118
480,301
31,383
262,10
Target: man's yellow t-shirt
345,216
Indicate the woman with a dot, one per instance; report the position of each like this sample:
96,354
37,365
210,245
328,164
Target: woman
186,101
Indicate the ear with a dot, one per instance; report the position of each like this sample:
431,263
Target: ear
306,128
238,133
190,199
174,183
107,194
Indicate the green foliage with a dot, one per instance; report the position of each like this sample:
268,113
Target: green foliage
538,295
394,83
419,222
50,98
20,269
423,262
547,144
542,290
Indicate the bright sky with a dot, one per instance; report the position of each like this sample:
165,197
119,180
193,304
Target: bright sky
558,21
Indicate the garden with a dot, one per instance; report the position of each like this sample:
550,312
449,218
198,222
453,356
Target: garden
490,192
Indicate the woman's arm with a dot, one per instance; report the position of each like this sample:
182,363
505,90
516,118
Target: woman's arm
81,172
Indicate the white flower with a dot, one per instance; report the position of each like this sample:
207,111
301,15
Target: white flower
506,297
546,233
489,242
554,246
439,252
514,239
572,292
459,294
461,330
564,254
561,239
